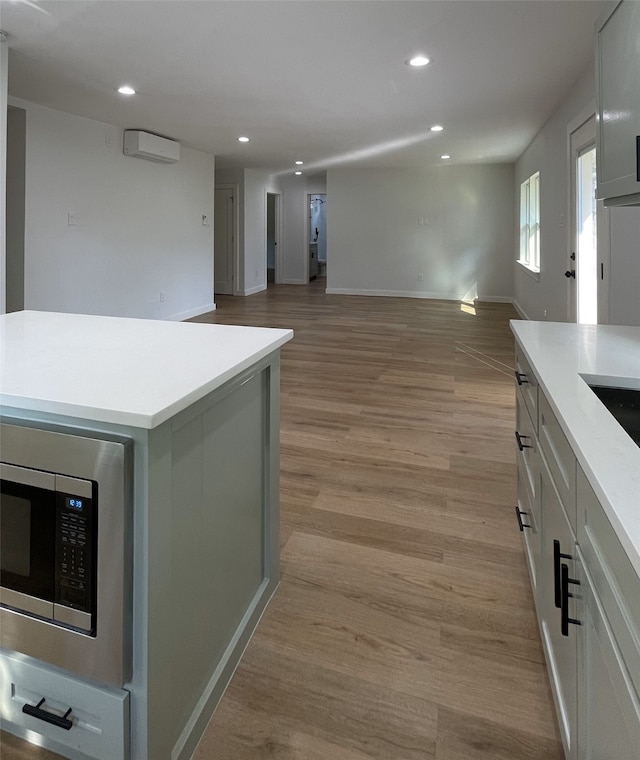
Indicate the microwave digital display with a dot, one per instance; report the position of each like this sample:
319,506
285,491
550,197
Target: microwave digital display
73,502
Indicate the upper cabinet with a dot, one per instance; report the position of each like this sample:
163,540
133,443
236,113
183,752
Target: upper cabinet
618,98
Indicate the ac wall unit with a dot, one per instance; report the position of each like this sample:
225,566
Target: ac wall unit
152,147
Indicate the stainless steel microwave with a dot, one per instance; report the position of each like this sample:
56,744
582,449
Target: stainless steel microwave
48,542
65,549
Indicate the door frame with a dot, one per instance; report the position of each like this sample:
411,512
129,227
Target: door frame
235,264
602,225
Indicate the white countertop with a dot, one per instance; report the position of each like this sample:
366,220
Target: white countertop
566,359
136,372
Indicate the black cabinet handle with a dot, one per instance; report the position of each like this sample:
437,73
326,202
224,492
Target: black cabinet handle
638,158
62,721
521,525
521,378
519,439
570,273
557,581
564,610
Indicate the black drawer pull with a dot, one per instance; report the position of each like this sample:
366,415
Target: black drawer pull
519,439
564,612
638,158
557,582
62,721
521,378
521,525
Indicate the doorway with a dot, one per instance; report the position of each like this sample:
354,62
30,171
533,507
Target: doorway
15,211
225,240
586,267
317,237
273,235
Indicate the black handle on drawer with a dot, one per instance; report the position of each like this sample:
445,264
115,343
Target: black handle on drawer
519,514
557,581
521,378
564,610
62,721
519,439
638,158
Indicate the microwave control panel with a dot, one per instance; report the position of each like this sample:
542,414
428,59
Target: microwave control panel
76,555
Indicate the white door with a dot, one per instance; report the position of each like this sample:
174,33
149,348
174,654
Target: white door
585,271
224,240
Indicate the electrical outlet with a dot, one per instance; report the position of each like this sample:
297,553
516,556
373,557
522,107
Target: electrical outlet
205,220
163,295
71,220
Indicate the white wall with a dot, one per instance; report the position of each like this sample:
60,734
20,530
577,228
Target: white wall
549,154
138,229
547,298
376,244
256,183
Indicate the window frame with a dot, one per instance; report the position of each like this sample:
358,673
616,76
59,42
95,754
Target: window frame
529,248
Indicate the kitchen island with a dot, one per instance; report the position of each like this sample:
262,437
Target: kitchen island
199,405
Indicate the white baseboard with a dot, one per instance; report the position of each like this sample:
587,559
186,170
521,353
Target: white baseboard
191,313
256,289
293,282
520,310
413,294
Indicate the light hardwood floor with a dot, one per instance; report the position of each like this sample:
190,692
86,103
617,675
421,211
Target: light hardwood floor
403,628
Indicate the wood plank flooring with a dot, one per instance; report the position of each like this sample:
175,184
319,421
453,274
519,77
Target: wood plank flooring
403,628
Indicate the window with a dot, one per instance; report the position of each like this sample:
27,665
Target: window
530,223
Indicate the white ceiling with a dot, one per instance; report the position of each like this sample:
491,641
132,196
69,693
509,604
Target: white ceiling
323,81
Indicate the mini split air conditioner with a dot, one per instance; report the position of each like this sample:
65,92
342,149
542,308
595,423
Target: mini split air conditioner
152,147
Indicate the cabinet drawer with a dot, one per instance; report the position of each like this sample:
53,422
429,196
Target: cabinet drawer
527,386
559,457
614,580
99,716
530,515
527,455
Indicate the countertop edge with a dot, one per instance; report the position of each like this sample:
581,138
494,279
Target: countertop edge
140,419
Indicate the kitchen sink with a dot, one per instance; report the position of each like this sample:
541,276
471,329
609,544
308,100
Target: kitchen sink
624,405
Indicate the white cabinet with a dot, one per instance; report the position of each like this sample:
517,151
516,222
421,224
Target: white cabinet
72,717
546,469
558,552
528,507
586,591
609,719
618,99
608,648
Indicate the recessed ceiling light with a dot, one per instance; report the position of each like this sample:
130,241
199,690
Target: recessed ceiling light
126,90
299,163
436,128
445,157
243,139
297,172
418,61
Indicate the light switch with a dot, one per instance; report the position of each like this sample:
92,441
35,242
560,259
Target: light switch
71,220
205,220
